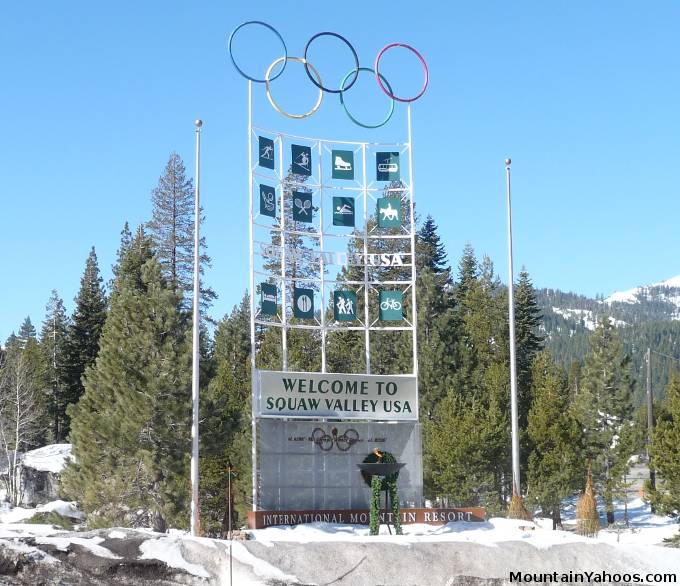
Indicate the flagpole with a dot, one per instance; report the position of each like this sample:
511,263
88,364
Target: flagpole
513,364
195,514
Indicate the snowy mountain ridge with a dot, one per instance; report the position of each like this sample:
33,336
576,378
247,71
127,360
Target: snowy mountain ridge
668,291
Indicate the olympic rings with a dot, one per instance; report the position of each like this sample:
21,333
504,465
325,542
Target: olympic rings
342,101
271,28
271,99
313,74
354,53
378,76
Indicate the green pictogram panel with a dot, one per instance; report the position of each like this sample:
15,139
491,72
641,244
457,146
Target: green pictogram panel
344,305
391,305
268,294
301,158
343,211
343,164
302,207
389,212
387,166
303,303
267,201
266,152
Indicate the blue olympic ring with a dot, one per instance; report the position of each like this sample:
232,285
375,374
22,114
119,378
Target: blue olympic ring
271,28
383,84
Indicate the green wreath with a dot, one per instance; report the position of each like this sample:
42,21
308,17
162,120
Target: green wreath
378,485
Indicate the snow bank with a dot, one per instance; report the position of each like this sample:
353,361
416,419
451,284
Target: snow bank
31,551
50,458
167,549
92,544
20,530
17,514
644,529
261,568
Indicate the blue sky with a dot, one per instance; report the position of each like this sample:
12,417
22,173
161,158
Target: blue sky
582,95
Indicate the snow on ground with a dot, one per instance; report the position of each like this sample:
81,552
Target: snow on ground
50,458
16,514
631,295
586,316
30,550
92,543
644,529
167,549
260,567
19,530
198,556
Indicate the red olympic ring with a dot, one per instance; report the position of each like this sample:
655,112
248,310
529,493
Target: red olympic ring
382,85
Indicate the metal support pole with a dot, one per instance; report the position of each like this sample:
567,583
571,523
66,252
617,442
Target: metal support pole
195,513
367,313
253,363
322,266
284,283
513,364
413,249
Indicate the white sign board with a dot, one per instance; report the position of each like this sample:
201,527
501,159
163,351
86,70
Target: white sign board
337,396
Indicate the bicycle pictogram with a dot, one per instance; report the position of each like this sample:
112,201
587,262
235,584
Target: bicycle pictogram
343,441
390,304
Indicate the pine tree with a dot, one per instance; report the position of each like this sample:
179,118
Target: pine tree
26,332
665,452
172,230
464,452
430,251
468,271
529,341
604,405
471,424
85,329
125,243
554,469
436,341
130,430
54,345
437,324
226,431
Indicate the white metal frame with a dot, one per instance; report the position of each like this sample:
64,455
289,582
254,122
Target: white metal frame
362,188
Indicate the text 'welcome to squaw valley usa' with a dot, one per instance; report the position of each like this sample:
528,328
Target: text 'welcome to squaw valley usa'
341,396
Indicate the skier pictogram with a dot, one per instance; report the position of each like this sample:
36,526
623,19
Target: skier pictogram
267,152
302,160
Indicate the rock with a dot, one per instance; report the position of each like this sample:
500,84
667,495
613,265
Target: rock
39,471
238,535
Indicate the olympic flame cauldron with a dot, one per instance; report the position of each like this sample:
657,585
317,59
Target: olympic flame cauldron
382,471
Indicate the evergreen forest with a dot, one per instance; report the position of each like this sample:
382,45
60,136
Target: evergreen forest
114,379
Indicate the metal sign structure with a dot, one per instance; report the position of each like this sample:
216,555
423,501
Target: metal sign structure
310,200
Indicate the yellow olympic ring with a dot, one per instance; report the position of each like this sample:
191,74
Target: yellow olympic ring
273,102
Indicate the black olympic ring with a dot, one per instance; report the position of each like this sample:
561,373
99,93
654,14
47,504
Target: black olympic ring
354,53
383,84
325,441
